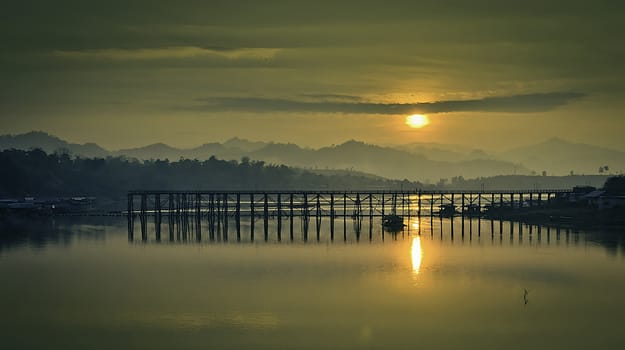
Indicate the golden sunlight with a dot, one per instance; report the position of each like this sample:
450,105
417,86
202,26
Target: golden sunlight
415,225
417,121
416,254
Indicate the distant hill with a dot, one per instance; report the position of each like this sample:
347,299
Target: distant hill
425,162
153,151
244,145
525,182
352,155
50,144
382,161
560,157
443,152
234,148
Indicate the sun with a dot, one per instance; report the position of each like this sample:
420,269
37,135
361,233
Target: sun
417,121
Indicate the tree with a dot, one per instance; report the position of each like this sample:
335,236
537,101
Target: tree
615,185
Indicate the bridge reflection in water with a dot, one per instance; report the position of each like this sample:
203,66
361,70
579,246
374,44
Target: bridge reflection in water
326,230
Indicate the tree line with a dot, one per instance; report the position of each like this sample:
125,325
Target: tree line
36,173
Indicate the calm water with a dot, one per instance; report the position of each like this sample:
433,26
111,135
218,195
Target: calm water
80,283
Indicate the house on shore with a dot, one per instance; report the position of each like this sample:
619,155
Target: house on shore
603,201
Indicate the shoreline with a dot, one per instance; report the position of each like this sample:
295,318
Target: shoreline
572,216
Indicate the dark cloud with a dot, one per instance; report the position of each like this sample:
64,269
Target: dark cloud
528,103
334,97
72,25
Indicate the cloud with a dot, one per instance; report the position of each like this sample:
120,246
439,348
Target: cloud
333,97
177,52
528,103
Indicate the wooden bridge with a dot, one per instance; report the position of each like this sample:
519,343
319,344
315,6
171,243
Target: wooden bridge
218,208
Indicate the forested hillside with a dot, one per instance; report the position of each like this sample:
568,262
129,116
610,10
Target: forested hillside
37,173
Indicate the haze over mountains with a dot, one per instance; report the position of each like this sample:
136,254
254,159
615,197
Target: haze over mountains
418,162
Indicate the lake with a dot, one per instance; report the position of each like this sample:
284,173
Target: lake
77,283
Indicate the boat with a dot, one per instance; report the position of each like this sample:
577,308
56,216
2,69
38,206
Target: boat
393,222
447,210
472,210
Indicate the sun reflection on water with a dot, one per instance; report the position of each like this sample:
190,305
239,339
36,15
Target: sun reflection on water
415,226
416,254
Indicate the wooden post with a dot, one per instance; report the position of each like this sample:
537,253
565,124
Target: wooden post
419,206
305,216
170,216
548,234
219,214
511,231
252,214
225,233
211,216
344,216
291,216
462,210
332,216
383,204
451,224
157,216
265,216
442,200
279,205
432,205
479,217
408,204
318,216
198,216
144,204
131,217
238,216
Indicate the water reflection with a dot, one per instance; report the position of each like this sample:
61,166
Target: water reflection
63,231
457,230
321,293
415,226
39,233
416,254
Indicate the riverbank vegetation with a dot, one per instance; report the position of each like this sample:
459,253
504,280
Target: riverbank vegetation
36,173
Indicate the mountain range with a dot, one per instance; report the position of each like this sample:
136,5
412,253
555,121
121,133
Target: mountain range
418,161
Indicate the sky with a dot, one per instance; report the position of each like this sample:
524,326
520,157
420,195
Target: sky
487,74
